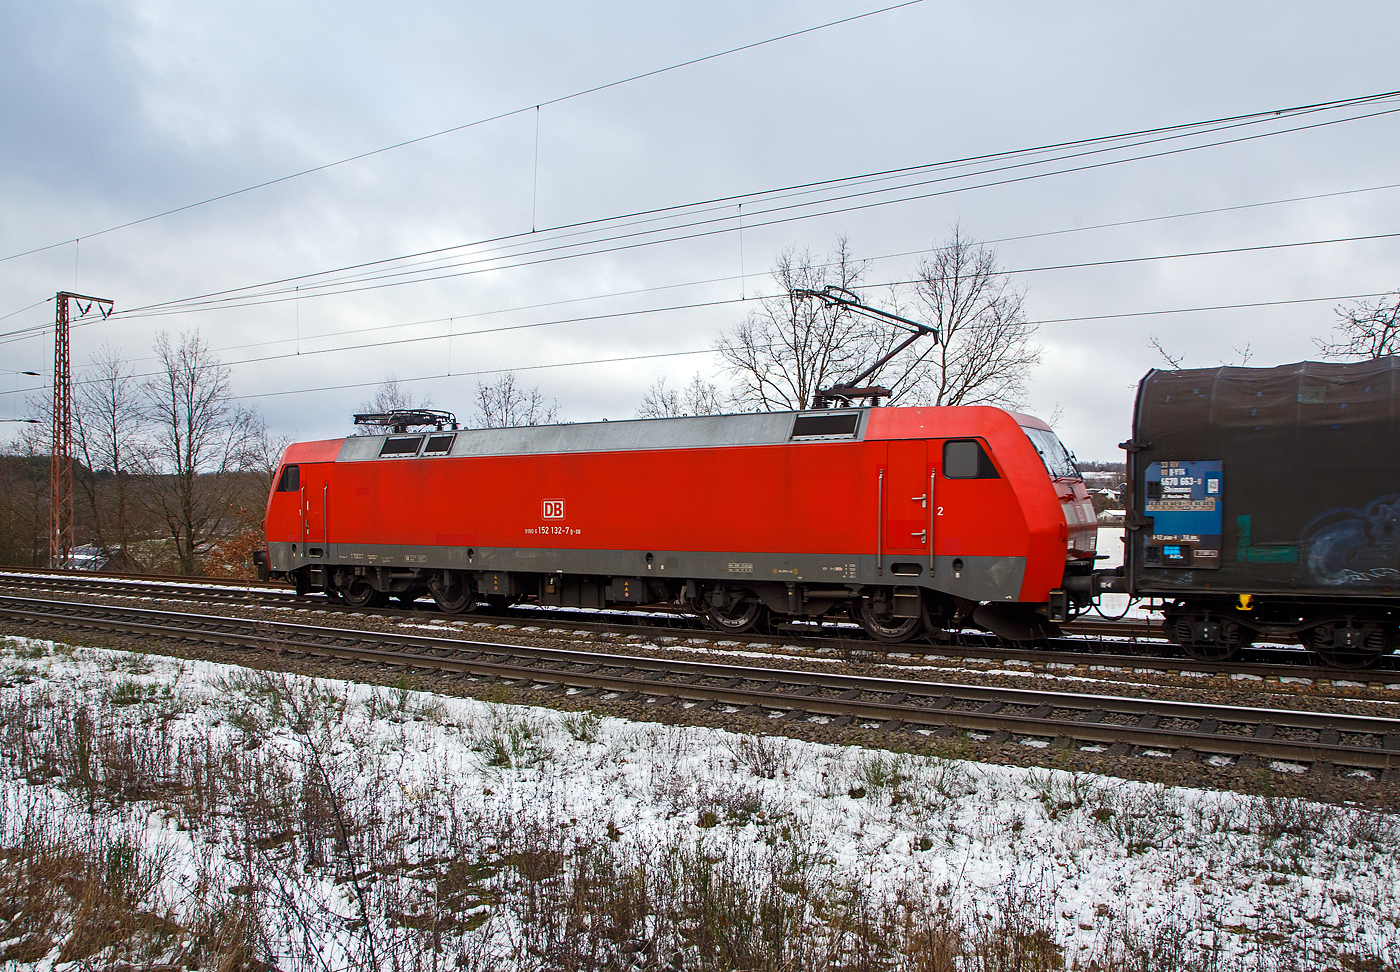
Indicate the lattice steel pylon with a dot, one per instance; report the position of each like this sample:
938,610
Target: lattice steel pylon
61,454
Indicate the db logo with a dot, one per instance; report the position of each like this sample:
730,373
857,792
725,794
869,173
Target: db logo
553,509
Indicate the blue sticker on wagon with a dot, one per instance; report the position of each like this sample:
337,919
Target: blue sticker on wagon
1185,499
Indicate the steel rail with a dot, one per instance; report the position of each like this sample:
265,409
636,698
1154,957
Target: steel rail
903,704
1089,650
187,579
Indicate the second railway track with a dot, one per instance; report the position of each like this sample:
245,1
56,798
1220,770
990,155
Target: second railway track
1324,742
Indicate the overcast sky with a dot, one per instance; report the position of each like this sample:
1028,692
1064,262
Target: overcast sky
113,112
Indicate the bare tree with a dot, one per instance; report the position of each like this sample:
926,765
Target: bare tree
504,404
198,441
1367,330
782,353
986,346
1173,360
390,396
107,436
1177,361
793,346
699,397
242,532
24,499
264,457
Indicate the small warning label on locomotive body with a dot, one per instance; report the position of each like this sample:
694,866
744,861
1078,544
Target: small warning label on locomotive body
1185,499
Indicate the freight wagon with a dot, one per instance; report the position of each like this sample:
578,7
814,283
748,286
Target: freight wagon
1265,502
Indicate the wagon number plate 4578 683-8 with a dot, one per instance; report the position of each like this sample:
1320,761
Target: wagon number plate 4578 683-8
1185,499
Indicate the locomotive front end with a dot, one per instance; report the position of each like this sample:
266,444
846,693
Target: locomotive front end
1081,582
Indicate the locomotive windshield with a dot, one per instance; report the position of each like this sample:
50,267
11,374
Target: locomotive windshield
1056,457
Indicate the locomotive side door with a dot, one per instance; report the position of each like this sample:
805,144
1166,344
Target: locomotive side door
908,500
315,498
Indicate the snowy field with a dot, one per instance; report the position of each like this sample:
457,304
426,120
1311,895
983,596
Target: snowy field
158,811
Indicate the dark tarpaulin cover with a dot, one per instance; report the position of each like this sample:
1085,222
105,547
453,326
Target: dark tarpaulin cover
1310,477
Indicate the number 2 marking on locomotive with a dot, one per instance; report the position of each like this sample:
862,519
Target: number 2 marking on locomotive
940,511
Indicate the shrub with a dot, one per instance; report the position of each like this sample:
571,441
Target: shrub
584,726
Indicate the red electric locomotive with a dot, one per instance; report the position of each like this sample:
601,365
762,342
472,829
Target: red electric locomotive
904,519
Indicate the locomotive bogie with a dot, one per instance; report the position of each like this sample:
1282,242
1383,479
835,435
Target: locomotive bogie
1343,633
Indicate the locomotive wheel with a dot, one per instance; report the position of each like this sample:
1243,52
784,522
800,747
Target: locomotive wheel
362,594
1206,635
1347,644
453,597
890,630
744,615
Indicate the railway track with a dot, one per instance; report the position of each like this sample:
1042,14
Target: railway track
1092,643
1225,735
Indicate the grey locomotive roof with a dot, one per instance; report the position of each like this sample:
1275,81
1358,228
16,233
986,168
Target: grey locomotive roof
636,434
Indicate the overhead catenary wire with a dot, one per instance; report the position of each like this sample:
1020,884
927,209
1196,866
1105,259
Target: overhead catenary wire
472,124
725,201
711,350
175,307
476,263
37,303
1084,264
504,328
872,286
873,259
1120,261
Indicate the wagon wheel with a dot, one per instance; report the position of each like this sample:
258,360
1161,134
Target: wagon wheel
1205,635
739,617
1347,644
362,594
888,630
453,596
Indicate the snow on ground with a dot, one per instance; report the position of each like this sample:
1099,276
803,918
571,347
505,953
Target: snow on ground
528,802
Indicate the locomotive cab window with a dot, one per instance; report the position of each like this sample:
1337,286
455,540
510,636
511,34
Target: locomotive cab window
400,446
966,459
439,445
1059,461
290,480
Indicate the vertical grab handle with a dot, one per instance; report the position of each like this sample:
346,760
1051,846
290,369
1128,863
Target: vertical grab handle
880,526
932,513
326,514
